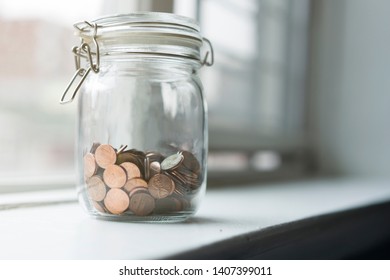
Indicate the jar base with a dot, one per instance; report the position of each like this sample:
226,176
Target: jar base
166,218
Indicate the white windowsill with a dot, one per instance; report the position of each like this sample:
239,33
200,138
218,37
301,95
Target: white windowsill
63,231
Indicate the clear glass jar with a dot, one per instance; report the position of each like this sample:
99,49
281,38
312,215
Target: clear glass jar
142,122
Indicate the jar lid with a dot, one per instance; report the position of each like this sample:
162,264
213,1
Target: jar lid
149,33
144,33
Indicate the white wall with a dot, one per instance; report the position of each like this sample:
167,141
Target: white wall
350,86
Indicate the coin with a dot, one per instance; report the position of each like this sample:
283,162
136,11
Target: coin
172,162
132,170
154,156
187,172
98,206
143,182
130,156
105,155
137,190
135,183
90,166
147,168
96,188
190,161
154,168
137,152
161,186
182,190
168,204
141,203
114,176
121,148
116,201
179,177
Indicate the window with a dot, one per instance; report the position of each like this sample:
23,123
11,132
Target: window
36,138
255,90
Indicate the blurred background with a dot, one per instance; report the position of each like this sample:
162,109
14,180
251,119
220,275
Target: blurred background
299,88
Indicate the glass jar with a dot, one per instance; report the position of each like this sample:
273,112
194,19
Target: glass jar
142,122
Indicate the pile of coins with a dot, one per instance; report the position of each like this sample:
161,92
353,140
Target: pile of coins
133,182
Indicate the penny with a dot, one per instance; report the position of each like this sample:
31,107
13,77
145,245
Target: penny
190,161
187,173
147,168
154,156
120,180
132,170
135,183
182,190
178,176
137,152
114,176
98,207
129,156
96,188
185,203
172,162
142,203
116,201
105,155
90,166
161,186
138,190
168,204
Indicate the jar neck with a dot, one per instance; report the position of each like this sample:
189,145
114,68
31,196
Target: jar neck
158,65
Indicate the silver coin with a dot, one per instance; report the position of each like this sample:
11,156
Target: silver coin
172,162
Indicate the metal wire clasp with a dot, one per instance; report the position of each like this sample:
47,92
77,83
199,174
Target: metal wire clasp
83,51
205,61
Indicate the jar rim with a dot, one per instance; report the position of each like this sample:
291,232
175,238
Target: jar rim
141,22
143,32
144,17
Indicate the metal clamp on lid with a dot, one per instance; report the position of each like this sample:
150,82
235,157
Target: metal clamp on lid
142,34
84,50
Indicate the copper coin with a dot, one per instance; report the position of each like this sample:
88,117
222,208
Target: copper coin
135,183
147,168
142,204
137,152
116,201
96,188
179,177
114,176
187,172
128,156
161,186
190,161
172,162
168,204
132,170
182,190
138,190
90,166
154,156
105,155
98,207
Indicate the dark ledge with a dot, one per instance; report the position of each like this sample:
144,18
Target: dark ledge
361,233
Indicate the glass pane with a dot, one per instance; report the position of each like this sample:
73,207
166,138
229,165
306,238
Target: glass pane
37,134
256,88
